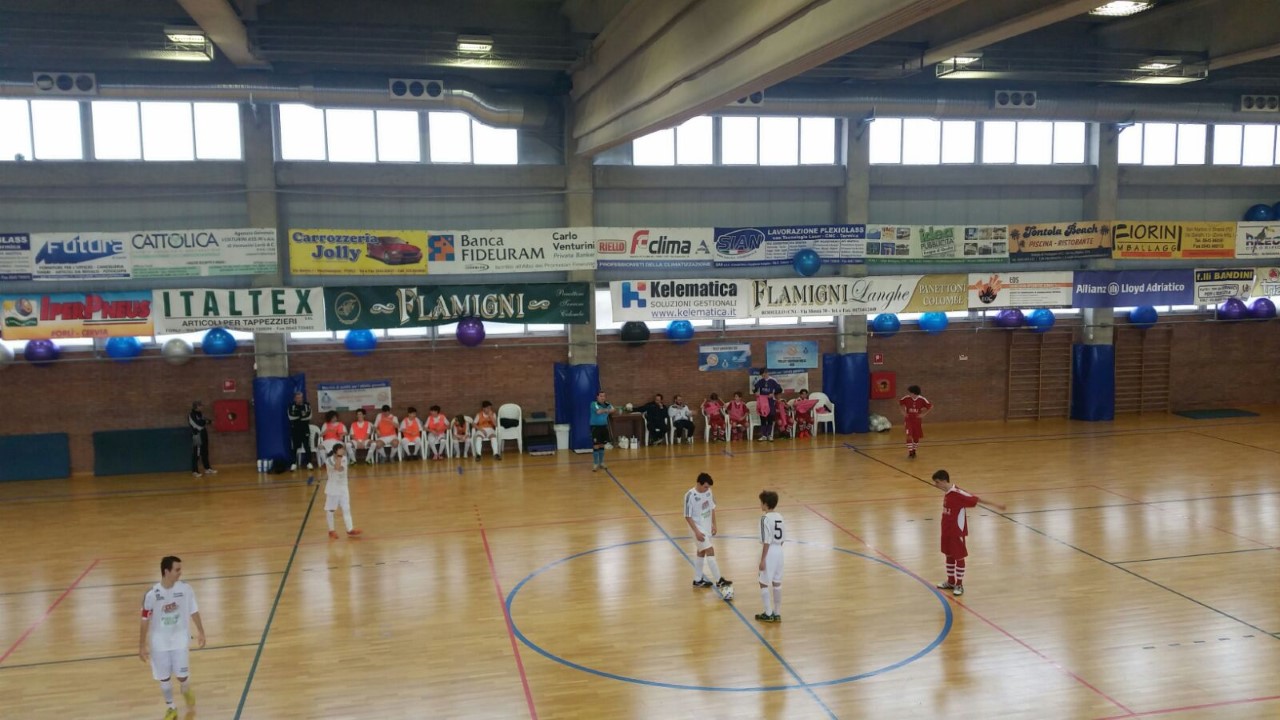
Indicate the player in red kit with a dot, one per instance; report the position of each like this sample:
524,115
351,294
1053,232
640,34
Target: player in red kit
914,407
955,528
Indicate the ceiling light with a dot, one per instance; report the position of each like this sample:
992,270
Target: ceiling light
476,44
185,36
1121,8
1160,63
964,59
1163,80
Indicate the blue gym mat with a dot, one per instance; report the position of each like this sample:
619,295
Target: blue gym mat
1215,414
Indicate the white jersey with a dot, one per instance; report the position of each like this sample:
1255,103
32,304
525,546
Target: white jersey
771,529
337,484
699,506
168,613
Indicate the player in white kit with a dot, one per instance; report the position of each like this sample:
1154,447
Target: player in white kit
771,539
700,513
167,610
336,494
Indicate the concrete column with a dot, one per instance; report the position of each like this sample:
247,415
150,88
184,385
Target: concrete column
855,207
270,349
579,208
1101,203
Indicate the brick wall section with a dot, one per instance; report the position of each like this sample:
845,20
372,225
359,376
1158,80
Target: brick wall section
971,389
1221,364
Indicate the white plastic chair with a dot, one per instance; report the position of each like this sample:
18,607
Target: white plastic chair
706,427
352,450
824,413
417,448
511,411
671,427
313,442
753,420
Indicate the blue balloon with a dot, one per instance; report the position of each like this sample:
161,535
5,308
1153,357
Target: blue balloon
680,331
806,262
886,325
218,342
1260,213
1233,309
470,331
1010,318
123,349
1262,309
1275,211
934,322
1143,317
360,342
1041,320
41,352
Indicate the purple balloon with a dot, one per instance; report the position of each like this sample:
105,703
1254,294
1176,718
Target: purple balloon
470,331
41,352
1233,309
1010,318
1262,309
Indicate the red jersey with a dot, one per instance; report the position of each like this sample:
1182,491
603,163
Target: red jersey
914,405
955,527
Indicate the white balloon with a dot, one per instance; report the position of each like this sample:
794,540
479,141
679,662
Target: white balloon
6,356
177,351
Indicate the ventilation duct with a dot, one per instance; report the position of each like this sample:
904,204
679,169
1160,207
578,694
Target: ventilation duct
491,107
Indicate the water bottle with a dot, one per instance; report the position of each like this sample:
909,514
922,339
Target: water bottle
635,442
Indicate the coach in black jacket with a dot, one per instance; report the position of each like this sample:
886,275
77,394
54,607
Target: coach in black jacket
300,428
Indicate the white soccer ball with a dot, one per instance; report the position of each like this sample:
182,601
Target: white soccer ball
727,593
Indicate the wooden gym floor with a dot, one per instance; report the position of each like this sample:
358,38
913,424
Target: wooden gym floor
1133,575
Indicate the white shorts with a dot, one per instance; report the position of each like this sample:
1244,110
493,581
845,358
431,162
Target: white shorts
166,664
387,439
485,432
706,542
341,500
357,442
772,574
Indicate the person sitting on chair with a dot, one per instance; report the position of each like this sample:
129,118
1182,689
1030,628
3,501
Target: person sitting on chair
656,418
681,419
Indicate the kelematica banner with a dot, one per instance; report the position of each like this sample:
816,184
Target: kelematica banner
374,307
326,251
265,310
467,252
656,300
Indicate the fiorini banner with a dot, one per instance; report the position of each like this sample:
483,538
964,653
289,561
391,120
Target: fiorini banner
1131,288
758,246
657,300
1253,240
727,356
466,252
351,396
1173,240
1215,285
352,308
653,248
857,296
1059,241
42,316
1020,289
265,310
357,252
897,243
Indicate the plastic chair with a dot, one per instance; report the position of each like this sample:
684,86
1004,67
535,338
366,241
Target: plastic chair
511,411
753,420
671,428
353,451
419,447
459,449
313,444
824,413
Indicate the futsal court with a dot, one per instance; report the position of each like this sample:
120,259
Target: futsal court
1133,575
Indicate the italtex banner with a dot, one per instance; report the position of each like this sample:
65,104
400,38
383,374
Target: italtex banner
44,316
1173,240
391,306
1059,241
324,251
265,310
468,252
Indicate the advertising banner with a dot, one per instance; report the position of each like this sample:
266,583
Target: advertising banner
1173,240
352,308
1214,286
1266,282
37,316
902,243
1258,239
1020,290
777,245
857,296
203,253
653,248
15,256
352,396
80,256
729,356
265,310
1059,241
791,354
792,381
656,300
467,252
1131,288
357,252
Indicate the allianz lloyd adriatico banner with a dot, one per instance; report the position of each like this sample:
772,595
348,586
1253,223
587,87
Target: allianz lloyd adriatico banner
265,310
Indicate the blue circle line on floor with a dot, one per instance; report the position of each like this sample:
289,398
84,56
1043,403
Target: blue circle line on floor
942,634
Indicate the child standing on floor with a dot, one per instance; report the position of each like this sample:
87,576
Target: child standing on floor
771,539
955,528
336,494
914,407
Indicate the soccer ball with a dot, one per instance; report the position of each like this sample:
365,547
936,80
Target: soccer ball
726,593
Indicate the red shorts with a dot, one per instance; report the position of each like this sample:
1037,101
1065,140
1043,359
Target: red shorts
953,546
915,428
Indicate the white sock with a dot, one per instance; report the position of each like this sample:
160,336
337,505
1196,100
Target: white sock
777,600
184,686
346,517
166,687
714,567
497,449
764,595
329,517
697,568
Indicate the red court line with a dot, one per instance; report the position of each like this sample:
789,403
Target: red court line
1185,708
47,613
980,616
1188,517
506,614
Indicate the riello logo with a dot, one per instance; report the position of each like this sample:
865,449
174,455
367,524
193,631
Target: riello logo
78,250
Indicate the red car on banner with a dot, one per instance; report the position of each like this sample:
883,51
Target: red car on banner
394,251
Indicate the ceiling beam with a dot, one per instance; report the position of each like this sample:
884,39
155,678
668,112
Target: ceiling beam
223,26
1013,27
663,61
1244,56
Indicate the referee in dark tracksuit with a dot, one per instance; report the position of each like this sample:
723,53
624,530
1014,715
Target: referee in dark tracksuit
300,429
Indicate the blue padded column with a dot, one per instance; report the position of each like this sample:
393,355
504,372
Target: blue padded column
271,399
1093,382
584,383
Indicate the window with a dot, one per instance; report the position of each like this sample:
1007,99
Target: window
1259,145
458,138
126,130
999,142
921,142
301,133
1192,144
15,130
1033,142
217,131
399,139
886,141
1228,144
117,131
656,148
1165,144
958,144
350,136
1159,143
56,130
739,143
168,131
1068,142
694,142
817,141
779,141
494,146
1130,145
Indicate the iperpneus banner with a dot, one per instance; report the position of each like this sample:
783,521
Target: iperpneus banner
265,310
352,308
41,316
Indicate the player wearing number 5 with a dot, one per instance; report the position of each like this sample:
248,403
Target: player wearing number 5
771,539
700,513
166,609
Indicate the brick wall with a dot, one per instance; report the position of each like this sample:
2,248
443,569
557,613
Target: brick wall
1220,364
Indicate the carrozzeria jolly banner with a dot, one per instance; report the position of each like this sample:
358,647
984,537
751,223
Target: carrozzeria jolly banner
151,254
264,310
467,252
653,248
42,316
354,308
325,251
